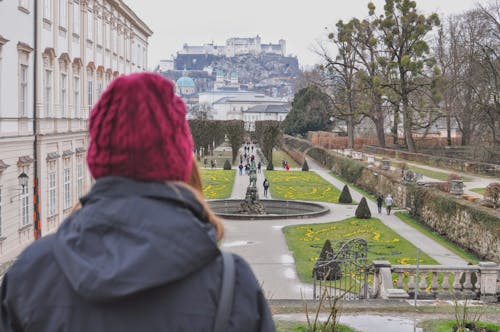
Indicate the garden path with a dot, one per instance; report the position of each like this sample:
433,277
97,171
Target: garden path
241,181
476,181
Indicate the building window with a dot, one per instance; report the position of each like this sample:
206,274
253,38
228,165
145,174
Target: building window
76,17
24,202
76,92
90,93
90,25
99,31
47,9
79,175
52,194
64,98
23,90
67,183
99,88
108,35
48,93
115,41
63,13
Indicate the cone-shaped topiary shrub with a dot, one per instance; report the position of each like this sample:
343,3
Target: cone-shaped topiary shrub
363,211
270,166
324,267
227,165
345,196
305,166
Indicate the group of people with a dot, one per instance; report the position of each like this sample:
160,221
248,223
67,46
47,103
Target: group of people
247,167
213,163
388,203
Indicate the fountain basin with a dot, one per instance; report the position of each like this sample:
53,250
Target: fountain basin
275,209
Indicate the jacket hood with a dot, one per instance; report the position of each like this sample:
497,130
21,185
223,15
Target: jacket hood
131,236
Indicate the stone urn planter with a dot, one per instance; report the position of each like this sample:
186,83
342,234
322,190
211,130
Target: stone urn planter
385,164
456,187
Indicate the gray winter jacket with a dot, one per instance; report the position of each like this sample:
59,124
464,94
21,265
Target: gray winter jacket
138,256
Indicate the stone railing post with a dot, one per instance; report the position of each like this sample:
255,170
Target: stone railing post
382,282
489,275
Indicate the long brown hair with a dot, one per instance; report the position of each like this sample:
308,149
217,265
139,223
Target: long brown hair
195,186
195,183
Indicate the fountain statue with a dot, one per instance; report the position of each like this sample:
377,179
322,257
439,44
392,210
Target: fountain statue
251,204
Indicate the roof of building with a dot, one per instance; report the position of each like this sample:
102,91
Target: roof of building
267,109
185,82
255,98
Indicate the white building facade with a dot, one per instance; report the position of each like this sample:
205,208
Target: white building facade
81,46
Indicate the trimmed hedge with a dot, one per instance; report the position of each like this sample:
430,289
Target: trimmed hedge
345,196
363,211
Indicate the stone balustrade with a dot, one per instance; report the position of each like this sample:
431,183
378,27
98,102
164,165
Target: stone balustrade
437,281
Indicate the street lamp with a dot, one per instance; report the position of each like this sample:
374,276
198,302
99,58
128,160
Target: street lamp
23,179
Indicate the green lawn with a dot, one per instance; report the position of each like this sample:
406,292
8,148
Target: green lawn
278,157
434,174
424,229
306,241
447,326
302,186
217,183
479,190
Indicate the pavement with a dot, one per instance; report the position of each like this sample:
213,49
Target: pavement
263,245
476,181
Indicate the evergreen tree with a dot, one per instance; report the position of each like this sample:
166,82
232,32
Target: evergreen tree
363,211
305,166
345,196
227,165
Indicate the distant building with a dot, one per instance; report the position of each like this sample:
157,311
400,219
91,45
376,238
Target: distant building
186,88
236,46
249,107
263,112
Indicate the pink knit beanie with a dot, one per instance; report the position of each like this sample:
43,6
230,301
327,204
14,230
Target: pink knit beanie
138,130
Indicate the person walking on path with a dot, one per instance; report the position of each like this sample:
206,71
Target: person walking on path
241,168
109,266
259,166
266,187
380,200
388,203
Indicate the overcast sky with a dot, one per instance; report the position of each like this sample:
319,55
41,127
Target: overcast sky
300,22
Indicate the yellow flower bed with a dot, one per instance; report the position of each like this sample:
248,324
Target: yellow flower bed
217,183
306,241
307,186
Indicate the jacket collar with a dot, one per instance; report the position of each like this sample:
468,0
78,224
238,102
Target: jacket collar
116,186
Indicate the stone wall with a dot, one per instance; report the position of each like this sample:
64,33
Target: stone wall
438,161
472,227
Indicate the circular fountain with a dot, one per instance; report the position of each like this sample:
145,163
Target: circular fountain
274,209
253,208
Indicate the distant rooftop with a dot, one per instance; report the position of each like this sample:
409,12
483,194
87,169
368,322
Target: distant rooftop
267,109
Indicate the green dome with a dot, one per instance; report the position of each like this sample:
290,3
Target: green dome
185,82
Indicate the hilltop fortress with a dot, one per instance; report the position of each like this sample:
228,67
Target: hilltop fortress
237,46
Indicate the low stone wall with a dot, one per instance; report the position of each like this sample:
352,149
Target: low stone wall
472,227
438,161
